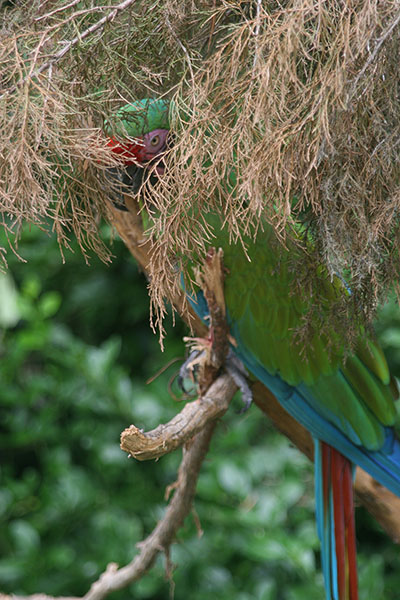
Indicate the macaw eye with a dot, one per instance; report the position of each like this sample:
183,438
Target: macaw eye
155,140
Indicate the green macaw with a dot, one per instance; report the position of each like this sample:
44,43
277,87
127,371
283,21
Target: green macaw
346,401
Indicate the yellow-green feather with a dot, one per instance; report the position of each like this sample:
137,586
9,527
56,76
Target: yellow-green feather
377,397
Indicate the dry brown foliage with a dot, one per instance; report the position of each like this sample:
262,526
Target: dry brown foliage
299,98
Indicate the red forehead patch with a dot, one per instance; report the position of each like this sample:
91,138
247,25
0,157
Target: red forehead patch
131,153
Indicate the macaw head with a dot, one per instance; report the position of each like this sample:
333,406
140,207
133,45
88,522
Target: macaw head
141,133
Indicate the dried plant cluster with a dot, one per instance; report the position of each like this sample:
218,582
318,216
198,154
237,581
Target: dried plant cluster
285,111
64,68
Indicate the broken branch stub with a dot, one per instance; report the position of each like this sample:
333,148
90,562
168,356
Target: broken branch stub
190,420
210,279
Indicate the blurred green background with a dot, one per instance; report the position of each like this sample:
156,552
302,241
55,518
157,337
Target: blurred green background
76,351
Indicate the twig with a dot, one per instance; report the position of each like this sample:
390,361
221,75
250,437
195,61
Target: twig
57,10
182,46
212,27
68,45
161,538
379,42
257,33
75,15
164,368
193,418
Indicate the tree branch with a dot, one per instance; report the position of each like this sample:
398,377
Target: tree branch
383,505
201,416
161,537
192,419
129,227
380,502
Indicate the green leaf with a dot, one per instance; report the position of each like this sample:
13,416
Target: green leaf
25,537
233,479
49,304
9,311
32,286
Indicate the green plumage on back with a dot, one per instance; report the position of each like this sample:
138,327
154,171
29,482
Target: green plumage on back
351,392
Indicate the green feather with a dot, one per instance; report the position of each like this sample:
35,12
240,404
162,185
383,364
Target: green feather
336,395
378,397
287,367
140,117
372,356
282,320
322,356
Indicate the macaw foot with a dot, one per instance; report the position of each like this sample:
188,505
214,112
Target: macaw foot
190,367
236,369
200,352
233,366
211,355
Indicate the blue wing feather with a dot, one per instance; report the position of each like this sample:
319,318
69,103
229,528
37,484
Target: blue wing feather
383,464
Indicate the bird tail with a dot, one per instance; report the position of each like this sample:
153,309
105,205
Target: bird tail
335,522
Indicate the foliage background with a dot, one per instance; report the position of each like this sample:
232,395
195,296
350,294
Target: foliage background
72,374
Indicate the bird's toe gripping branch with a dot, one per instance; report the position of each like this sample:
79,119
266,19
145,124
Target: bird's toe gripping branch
232,365
236,369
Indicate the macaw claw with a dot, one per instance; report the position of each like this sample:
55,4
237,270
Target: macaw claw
233,366
236,369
